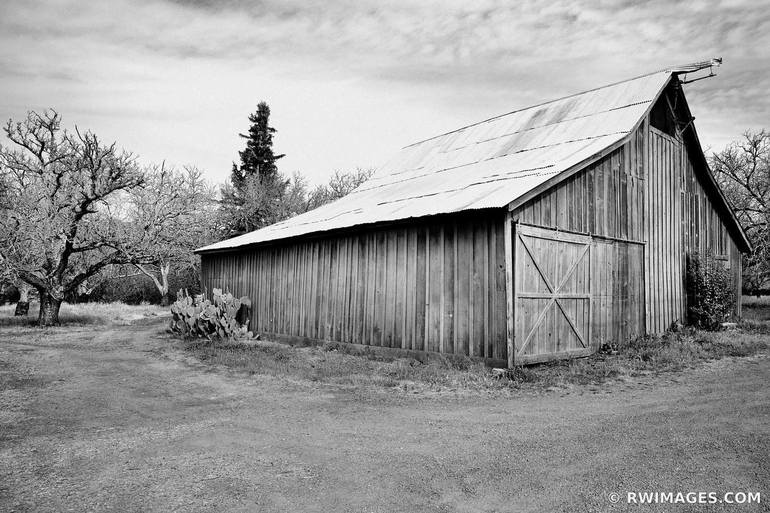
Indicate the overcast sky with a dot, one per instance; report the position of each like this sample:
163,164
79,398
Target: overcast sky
350,82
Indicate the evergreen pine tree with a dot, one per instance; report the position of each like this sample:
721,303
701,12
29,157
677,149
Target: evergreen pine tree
257,190
257,159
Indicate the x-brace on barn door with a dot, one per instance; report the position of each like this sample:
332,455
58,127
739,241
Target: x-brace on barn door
552,294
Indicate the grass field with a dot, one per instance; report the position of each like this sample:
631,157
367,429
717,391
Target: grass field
756,308
82,314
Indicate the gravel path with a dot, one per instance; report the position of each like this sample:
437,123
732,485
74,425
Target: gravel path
112,419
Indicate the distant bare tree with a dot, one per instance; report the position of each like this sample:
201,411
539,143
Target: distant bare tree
743,171
171,214
295,200
340,184
55,224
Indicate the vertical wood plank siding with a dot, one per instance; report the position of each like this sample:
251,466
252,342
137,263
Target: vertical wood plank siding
617,292
666,258
681,220
605,199
428,286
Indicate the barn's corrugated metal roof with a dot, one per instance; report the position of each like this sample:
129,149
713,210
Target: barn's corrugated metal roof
485,165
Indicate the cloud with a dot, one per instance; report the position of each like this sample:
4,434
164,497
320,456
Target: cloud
176,78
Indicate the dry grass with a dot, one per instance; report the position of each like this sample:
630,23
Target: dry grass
756,308
99,314
754,301
667,353
334,364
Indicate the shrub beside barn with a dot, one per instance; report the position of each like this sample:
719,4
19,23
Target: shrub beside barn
538,234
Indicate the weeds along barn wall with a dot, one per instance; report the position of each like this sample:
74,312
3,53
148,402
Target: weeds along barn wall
435,284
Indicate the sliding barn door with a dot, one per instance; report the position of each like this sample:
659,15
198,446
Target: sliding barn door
552,294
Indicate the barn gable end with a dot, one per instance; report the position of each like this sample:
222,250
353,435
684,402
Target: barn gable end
654,202
686,212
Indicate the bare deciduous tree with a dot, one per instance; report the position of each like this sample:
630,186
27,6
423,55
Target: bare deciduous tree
743,171
56,229
340,184
170,215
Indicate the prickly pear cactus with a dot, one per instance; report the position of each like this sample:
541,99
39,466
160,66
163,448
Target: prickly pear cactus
197,317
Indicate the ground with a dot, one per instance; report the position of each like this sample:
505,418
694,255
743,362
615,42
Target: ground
121,418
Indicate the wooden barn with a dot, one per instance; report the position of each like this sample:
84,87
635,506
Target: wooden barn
538,234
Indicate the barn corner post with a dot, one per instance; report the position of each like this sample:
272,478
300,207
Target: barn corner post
510,233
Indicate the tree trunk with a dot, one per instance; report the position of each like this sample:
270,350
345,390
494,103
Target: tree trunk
164,269
23,292
22,306
49,310
22,309
162,284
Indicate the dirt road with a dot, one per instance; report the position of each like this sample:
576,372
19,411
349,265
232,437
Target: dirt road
114,420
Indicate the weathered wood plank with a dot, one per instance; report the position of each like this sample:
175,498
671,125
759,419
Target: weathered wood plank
477,296
448,270
485,319
422,288
402,270
463,292
509,234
